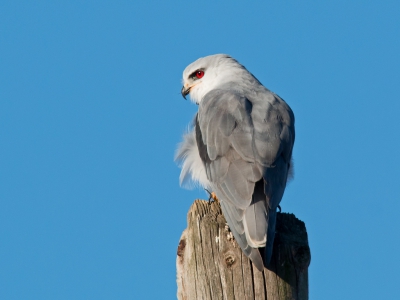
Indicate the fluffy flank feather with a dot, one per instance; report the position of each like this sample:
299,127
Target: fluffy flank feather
193,173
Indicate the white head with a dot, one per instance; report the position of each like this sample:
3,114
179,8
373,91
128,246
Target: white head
210,72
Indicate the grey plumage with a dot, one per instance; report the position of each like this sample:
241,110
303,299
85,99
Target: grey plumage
244,136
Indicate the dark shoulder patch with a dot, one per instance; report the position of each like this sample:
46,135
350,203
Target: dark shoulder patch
200,144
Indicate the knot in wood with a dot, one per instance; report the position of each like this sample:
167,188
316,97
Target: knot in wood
230,259
181,247
302,256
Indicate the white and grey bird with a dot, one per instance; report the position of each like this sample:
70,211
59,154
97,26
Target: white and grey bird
240,147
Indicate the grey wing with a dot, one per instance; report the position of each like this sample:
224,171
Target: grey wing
245,150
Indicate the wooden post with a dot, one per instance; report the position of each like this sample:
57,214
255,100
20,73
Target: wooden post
211,265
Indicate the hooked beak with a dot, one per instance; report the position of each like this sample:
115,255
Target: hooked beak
185,92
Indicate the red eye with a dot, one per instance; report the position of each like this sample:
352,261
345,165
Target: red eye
199,74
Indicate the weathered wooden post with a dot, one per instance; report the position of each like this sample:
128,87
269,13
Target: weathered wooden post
210,264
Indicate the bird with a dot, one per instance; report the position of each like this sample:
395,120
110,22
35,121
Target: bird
239,146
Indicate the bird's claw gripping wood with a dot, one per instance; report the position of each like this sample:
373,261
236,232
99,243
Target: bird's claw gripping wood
212,196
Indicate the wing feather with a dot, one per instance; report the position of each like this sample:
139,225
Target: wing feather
245,143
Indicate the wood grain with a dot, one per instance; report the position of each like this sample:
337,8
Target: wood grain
211,265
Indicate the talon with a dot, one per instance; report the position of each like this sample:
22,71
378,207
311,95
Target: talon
279,207
212,197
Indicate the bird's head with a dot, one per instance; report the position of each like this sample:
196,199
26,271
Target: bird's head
208,73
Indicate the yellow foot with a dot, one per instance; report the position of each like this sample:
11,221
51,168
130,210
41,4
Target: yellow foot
213,196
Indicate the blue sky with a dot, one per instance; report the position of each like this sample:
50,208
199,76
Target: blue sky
91,112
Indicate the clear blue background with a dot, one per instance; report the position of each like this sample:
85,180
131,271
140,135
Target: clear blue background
91,112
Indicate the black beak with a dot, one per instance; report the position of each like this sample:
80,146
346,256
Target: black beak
185,92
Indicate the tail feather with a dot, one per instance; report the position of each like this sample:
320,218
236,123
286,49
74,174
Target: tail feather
256,258
270,236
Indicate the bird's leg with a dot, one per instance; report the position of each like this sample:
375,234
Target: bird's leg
212,195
